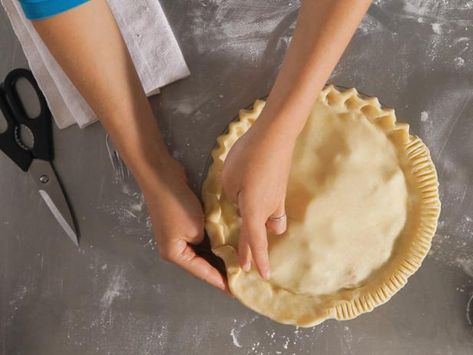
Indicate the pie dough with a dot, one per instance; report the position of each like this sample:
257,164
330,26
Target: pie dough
362,205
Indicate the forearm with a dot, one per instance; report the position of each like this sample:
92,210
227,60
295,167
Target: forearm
87,43
323,31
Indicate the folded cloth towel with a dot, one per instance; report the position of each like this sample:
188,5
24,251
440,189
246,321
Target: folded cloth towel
147,34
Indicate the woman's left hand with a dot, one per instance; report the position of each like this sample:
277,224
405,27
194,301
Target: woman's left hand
256,170
254,178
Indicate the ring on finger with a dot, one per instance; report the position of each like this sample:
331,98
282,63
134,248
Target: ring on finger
278,218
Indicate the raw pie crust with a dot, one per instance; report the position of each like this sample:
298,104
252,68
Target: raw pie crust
362,207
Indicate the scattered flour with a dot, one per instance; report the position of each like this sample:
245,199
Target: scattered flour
138,334
437,28
465,262
441,11
462,39
276,342
117,287
18,297
235,338
232,29
424,116
459,61
237,329
469,311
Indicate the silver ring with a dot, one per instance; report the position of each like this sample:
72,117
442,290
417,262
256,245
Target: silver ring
279,218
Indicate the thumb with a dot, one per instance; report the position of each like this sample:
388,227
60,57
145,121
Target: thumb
195,234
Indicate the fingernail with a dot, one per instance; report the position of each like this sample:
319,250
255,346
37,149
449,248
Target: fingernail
266,274
221,285
246,267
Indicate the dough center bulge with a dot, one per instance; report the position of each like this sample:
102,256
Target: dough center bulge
346,205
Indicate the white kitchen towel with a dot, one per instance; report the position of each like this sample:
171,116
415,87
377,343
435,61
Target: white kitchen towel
147,34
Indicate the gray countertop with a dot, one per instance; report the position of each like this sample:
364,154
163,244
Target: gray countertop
114,296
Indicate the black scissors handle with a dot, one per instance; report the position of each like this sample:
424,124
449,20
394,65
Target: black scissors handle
16,115
40,125
8,144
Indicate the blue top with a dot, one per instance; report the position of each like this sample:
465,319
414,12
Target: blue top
39,9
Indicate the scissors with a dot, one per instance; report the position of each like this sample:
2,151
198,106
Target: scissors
26,139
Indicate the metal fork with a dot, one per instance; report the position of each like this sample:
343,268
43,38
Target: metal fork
119,166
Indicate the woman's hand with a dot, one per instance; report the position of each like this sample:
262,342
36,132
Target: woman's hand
178,222
256,170
254,177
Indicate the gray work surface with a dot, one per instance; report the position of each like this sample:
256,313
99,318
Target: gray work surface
113,295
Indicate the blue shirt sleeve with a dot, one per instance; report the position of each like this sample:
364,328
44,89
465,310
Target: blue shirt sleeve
39,9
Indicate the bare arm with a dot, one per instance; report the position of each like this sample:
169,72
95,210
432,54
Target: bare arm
323,31
88,45
257,168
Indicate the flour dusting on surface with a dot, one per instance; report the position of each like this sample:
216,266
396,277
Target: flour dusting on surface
117,288
237,329
469,311
424,116
459,61
437,28
235,29
235,338
274,341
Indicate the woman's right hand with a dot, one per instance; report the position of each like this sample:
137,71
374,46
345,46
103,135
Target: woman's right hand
178,222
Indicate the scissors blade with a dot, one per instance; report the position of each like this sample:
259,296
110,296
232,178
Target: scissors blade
51,191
